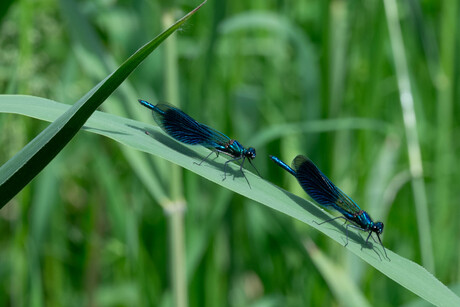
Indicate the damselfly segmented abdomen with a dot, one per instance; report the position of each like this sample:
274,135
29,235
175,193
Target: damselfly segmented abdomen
185,129
327,194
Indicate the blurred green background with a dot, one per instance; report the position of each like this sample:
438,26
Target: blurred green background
99,224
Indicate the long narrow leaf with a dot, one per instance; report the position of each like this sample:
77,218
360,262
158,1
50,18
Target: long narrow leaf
132,133
16,173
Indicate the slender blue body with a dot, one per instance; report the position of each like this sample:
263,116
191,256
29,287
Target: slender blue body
327,194
185,129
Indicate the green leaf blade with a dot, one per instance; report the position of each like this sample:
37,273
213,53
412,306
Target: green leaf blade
16,173
408,274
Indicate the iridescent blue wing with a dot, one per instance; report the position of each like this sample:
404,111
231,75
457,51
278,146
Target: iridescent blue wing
321,189
184,128
224,144
217,137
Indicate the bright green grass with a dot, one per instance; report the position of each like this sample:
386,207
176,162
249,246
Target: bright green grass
132,134
92,228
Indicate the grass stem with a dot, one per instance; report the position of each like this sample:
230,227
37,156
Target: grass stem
177,208
412,139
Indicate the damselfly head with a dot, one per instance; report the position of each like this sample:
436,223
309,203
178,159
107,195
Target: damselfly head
377,227
250,153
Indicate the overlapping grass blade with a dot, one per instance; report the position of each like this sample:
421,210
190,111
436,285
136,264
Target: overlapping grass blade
25,165
132,133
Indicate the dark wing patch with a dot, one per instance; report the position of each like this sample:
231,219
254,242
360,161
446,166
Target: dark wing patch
320,188
182,127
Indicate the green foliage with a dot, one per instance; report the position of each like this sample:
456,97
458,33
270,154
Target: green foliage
25,165
311,77
131,133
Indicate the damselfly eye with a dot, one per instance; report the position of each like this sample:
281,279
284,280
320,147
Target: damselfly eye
378,227
251,153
